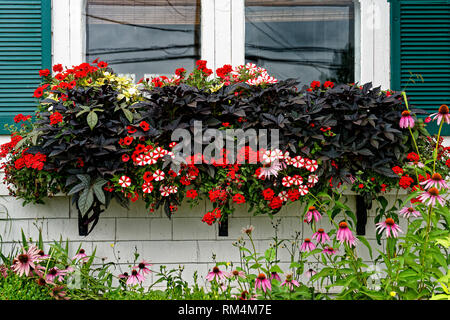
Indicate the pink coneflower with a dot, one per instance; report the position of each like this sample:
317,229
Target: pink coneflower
329,250
408,211
307,246
142,266
81,255
391,227
236,274
55,273
3,271
58,293
345,235
321,236
429,197
312,213
275,276
40,255
262,282
135,278
406,121
310,272
435,181
289,282
216,274
24,263
442,114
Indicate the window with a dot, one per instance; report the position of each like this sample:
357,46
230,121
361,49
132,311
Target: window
143,37
302,39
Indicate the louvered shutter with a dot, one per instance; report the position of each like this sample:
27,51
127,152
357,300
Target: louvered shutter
25,48
420,44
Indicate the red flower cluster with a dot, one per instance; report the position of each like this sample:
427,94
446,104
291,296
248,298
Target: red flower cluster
30,161
211,217
192,193
6,148
201,65
238,198
397,170
275,203
413,157
56,118
21,117
180,72
218,195
405,181
224,71
268,194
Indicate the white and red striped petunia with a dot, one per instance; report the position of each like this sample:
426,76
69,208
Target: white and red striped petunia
164,191
278,154
311,165
147,187
141,160
159,175
269,156
124,181
159,152
303,190
283,196
172,189
313,179
287,181
298,180
298,162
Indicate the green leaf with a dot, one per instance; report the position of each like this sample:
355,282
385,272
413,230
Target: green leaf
92,119
128,114
366,243
86,200
76,189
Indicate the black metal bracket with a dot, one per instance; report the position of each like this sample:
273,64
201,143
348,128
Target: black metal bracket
223,227
361,214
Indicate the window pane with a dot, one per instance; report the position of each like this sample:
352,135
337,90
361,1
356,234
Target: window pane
144,36
306,40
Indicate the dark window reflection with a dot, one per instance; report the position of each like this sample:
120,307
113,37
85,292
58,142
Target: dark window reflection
144,36
306,40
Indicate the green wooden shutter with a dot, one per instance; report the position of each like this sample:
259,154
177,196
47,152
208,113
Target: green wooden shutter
25,48
420,44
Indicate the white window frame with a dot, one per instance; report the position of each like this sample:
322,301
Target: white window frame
223,36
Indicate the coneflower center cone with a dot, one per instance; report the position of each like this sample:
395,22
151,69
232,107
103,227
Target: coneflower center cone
433,191
23,258
436,177
390,221
443,109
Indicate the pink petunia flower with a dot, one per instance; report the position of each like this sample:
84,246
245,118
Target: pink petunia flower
216,274
408,211
344,234
431,196
263,283
321,236
236,274
406,121
392,229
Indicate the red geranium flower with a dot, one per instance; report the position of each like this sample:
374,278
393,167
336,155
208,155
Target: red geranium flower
268,194
180,72
328,84
275,203
405,181
413,157
56,118
192,193
239,198
397,170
